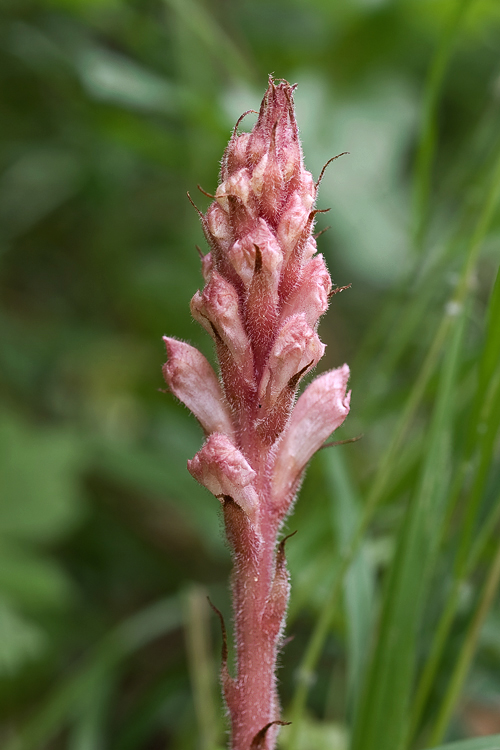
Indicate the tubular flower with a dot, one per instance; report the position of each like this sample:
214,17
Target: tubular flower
265,291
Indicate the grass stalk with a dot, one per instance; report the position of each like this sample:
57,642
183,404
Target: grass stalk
467,652
201,666
427,143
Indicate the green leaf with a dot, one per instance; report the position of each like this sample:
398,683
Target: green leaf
32,580
319,736
20,640
116,78
39,476
36,184
491,354
90,724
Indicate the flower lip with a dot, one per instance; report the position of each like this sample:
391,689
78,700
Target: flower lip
192,380
320,410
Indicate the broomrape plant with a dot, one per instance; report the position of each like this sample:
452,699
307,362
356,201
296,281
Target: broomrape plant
266,288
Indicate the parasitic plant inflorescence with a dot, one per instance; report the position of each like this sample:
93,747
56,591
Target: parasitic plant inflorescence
266,288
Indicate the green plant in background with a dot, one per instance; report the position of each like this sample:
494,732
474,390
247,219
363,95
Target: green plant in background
110,111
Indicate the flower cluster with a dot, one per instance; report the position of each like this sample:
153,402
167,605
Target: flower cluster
266,288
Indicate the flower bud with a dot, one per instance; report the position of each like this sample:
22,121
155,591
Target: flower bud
311,295
207,266
310,249
307,190
296,349
223,470
267,182
294,225
242,255
291,158
238,185
217,310
218,226
276,129
236,155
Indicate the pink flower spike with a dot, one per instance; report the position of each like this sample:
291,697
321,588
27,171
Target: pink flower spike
190,377
265,291
223,470
320,410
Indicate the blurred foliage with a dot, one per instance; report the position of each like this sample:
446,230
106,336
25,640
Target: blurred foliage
111,110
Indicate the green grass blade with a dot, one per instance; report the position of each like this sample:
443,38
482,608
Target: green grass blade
359,583
205,28
486,533
478,743
427,144
382,718
491,354
486,412
468,650
89,730
201,666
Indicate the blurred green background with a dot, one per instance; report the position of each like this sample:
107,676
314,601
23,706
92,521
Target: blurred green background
110,110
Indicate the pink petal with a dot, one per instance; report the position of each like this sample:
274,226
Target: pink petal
190,377
319,411
310,249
